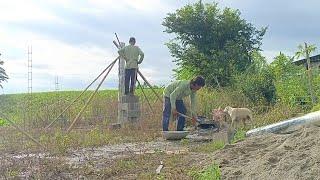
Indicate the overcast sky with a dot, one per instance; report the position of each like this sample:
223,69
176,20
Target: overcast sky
72,39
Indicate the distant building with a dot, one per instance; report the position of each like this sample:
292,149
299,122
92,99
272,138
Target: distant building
314,61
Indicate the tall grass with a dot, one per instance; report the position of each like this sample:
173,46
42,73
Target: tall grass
92,128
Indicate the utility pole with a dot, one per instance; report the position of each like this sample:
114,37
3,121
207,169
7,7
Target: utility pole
29,97
56,83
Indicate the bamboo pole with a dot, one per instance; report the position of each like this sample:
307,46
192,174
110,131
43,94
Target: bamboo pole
22,131
117,39
90,98
145,80
46,128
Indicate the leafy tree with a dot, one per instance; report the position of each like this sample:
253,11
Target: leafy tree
306,50
3,75
257,83
290,80
211,42
303,50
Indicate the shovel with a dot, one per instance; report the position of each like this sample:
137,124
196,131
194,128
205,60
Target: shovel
183,115
200,120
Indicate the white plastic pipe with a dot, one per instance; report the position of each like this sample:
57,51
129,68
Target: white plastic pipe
310,118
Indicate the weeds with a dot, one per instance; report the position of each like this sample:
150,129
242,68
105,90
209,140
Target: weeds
212,172
2,122
125,164
239,136
93,132
209,147
185,142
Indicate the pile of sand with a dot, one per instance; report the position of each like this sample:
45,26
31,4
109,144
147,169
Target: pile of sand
273,156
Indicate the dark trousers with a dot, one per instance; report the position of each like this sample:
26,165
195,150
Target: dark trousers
130,78
167,113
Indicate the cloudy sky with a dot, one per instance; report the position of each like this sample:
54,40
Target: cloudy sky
72,39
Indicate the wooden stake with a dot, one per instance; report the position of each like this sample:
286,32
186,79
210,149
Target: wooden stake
46,128
22,131
90,98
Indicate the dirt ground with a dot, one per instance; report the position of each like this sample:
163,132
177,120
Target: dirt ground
294,155
273,156
121,161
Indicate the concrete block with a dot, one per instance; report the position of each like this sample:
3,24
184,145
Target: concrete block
130,99
128,114
134,106
124,106
133,119
114,126
133,113
130,106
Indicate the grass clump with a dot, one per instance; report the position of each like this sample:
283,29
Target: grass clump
239,136
2,122
209,147
211,172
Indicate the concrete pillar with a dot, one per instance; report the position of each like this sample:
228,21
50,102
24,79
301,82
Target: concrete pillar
121,86
129,106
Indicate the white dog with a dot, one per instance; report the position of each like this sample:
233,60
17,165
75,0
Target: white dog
239,114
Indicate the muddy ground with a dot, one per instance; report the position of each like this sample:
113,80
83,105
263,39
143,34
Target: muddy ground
272,156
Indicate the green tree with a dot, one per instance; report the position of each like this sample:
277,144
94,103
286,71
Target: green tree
290,80
211,42
257,83
3,74
305,50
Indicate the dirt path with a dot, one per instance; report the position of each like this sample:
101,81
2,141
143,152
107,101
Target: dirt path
120,161
273,156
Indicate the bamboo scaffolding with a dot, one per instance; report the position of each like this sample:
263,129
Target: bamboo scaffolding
145,97
46,128
90,98
145,80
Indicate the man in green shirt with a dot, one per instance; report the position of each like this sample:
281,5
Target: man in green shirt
133,56
173,100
